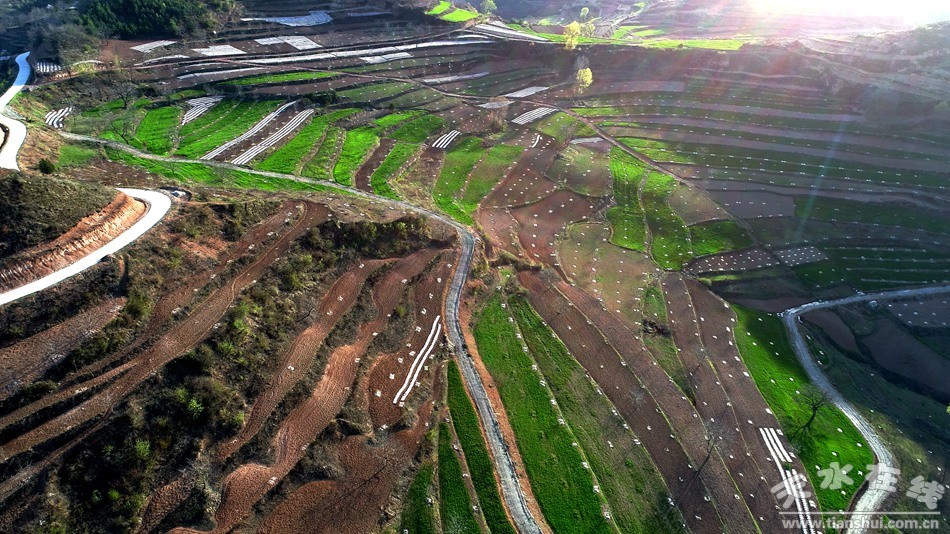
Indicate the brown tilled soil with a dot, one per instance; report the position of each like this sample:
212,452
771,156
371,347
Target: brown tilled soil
500,230
294,362
247,484
179,339
647,398
90,234
165,499
525,182
542,222
365,172
27,360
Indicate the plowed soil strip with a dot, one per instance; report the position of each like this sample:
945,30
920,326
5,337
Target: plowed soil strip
27,360
293,363
726,402
248,483
181,338
648,400
365,172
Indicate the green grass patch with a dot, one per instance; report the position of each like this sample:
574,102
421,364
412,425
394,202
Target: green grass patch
765,349
459,162
375,91
627,476
288,158
200,137
441,7
418,130
283,77
359,143
391,119
156,131
713,237
710,44
560,126
468,431
394,161
416,516
73,155
563,487
455,504
459,15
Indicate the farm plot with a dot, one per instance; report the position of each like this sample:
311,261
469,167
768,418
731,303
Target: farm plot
582,170
320,166
467,428
358,144
418,130
495,164
454,503
525,182
220,125
289,158
416,516
555,467
397,159
714,237
542,222
669,238
459,162
627,219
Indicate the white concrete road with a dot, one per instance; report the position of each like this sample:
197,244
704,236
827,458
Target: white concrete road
16,129
871,500
158,206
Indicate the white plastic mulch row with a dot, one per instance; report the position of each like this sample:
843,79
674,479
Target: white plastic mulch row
56,117
45,67
250,133
532,115
791,479
527,91
495,105
297,41
584,140
198,107
417,364
375,60
315,18
446,140
367,52
158,205
163,58
217,72
273,138
506,32
459,78
219,50
148,47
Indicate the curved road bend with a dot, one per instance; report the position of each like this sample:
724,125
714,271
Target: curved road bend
511,489
870,500
16,129
158,205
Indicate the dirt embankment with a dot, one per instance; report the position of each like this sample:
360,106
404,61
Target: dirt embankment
90,234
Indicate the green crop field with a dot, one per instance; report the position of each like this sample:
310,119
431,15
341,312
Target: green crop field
394,161
288,158
468,431
627,223
157,130
834,209
321,164
459,162
284,77
627,476
375,91
560,126
459,15
669,238
487,173
455,504
713,237
416,516
441,7
418,130
358,145
563,487
204,136
767,353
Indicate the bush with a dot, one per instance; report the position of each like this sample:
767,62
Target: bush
46,166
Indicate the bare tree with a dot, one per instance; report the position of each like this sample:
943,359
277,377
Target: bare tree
814,399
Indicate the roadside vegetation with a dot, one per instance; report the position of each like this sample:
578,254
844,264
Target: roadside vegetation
454,501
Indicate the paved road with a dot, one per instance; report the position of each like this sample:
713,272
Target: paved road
17,130
158,205
870,500
511,489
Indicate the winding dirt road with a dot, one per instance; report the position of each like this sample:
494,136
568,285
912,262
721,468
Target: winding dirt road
15,130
